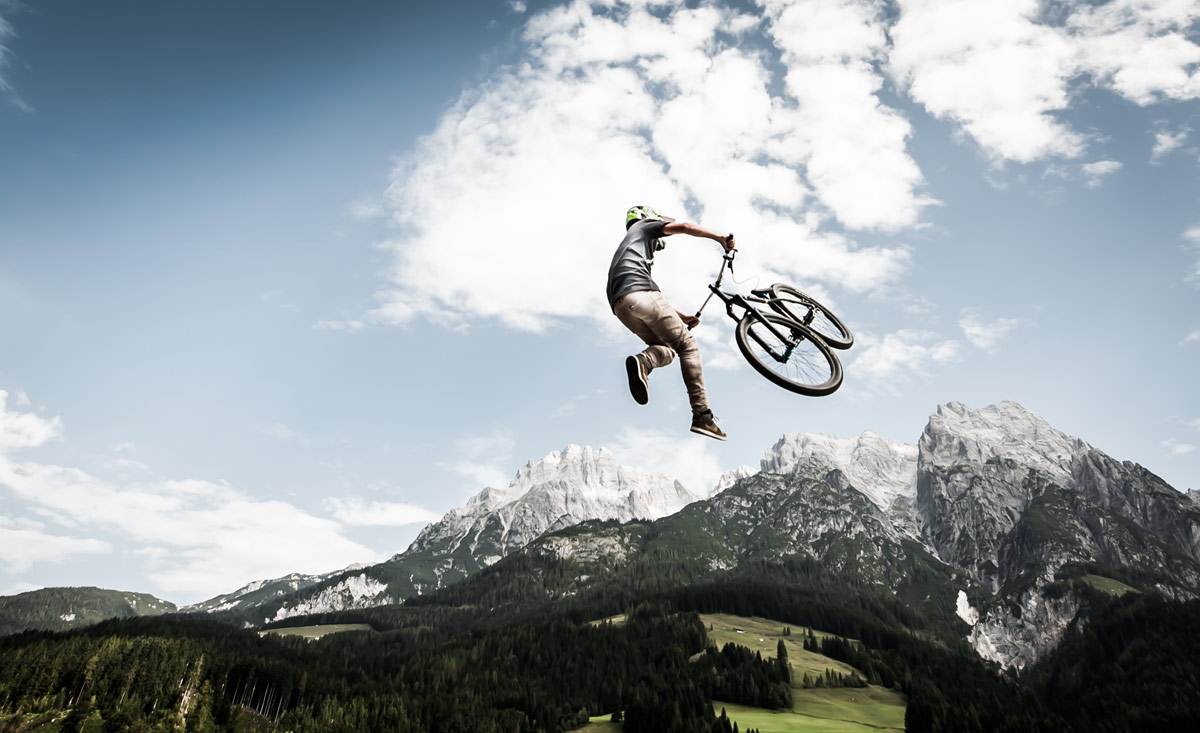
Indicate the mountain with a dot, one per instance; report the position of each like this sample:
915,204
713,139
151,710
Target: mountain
258,592
991,528
59,609
561,490
1016,503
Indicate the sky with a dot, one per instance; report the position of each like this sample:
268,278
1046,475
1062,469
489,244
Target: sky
282,282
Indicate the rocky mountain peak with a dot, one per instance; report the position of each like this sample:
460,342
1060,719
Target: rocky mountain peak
563,488
959,435
880,468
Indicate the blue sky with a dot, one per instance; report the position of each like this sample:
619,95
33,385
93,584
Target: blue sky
280,282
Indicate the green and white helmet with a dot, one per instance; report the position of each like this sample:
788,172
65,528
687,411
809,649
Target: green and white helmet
638,213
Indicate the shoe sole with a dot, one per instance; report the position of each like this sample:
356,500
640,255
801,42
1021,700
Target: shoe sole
709,433
637,385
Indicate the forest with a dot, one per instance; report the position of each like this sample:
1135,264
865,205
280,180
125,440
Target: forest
463,661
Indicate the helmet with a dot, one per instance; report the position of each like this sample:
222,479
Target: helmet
637,213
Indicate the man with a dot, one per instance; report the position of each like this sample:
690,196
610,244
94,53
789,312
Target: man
638,303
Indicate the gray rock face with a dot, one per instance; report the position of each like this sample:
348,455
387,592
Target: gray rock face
992,507
1011,500
561,490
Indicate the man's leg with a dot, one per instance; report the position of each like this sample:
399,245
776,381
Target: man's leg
654,321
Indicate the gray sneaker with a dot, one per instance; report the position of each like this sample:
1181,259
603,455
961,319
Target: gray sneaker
637,379
705,423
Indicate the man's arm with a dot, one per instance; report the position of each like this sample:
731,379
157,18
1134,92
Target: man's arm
683,227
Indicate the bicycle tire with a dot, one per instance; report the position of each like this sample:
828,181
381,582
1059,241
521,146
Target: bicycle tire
811,367
798,306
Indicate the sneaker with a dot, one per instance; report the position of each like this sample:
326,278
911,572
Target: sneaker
637,379
706,424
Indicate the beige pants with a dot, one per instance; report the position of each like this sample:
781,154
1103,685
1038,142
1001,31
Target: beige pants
654,321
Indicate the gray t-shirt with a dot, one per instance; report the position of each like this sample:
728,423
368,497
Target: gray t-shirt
630,268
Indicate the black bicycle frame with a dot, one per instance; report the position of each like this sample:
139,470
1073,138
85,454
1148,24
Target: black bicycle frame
732,300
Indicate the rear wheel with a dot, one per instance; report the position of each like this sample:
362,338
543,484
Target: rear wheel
789,354
801,307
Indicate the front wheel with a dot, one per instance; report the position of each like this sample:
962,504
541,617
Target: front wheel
788,354
801,307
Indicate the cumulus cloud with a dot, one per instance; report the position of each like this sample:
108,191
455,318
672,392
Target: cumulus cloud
888,362
484,459
984,334
1191,338
511,207
991,68
194,537
1166,142
689,461
24,429
1139,48
1004,72
279,431
1192,239
1094,173
1176,448
351,325
199,536
359,512
23,547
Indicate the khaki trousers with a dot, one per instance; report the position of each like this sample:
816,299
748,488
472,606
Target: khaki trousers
654,321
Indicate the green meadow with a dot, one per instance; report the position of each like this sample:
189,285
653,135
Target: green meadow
313,633
821,709
830,709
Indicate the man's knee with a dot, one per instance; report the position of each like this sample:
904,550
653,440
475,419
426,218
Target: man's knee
685,344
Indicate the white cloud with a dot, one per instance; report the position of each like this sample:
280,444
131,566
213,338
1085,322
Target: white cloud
24,430
1003,71
512,206
359,512
1192,237
196,537
991,68
279,431
1176,448
687,458
1192,337
1166,142
983,334
1140,48
886,363
21,549
484,459
366,209
853,146
351,325
6,89
1095,172
517,6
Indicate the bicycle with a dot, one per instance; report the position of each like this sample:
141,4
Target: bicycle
792,347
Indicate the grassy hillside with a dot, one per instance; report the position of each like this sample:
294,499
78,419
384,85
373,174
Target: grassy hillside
60,609
312,633
850,709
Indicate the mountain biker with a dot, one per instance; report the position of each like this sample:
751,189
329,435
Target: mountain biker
637,302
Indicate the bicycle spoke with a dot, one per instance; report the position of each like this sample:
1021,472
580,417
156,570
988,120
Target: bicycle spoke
795,357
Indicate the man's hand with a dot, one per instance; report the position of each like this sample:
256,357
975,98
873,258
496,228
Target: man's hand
728,243
689,321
